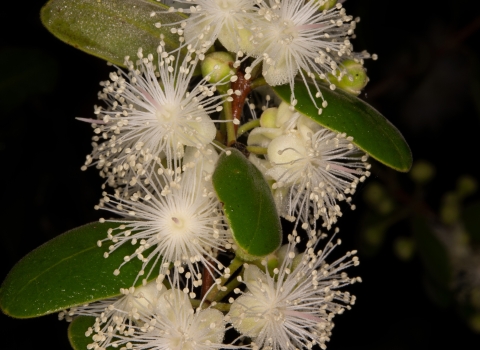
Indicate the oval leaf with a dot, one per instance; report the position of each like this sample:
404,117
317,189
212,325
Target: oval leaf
76,332
110,29
67,271
348,114
248,204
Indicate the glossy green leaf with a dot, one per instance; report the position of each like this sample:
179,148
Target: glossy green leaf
67,271
76,332
348,114
248,204
110,29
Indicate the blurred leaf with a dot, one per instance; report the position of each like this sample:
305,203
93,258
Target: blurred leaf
67,271
248,204
438,294
348,114
29,72
110,29
76,332
471,220
432,252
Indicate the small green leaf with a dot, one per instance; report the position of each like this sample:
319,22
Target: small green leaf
67,271
248,204
348,114
110,29
76,332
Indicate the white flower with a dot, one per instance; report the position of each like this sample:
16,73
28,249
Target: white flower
311,168
319,168
147,120
174,325
117,315
295,38
294,308
179,223
210,20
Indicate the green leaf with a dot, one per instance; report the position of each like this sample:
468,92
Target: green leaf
110,29
248,205
348,114
76,332
67,271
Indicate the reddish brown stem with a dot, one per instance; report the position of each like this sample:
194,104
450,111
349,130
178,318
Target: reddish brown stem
242,85
207,281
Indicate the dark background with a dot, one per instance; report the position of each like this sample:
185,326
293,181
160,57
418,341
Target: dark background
426,82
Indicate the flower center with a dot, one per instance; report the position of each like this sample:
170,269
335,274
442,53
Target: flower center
224,4
165,114
288,32
178,223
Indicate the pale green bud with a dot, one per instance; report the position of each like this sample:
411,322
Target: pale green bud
422,172
351,77
466,186
285,112
404,248
474,322
450,210
269,117
218,66
326,4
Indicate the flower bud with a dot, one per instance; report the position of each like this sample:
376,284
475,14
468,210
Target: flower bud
422,172
269,117
284,114
218,66
326,4
466,186
352,77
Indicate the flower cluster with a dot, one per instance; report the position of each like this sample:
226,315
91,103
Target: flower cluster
158,135
305,40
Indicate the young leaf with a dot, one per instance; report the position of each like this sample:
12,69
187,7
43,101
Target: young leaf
348,114
248,205
67,271
76,332
110,29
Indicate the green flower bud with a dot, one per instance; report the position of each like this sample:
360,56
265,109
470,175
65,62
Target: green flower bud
351,77
422,172
269,117
450,210
466,186
218,66
326,4
404,248
474,322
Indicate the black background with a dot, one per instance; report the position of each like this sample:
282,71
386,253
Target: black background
425,82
